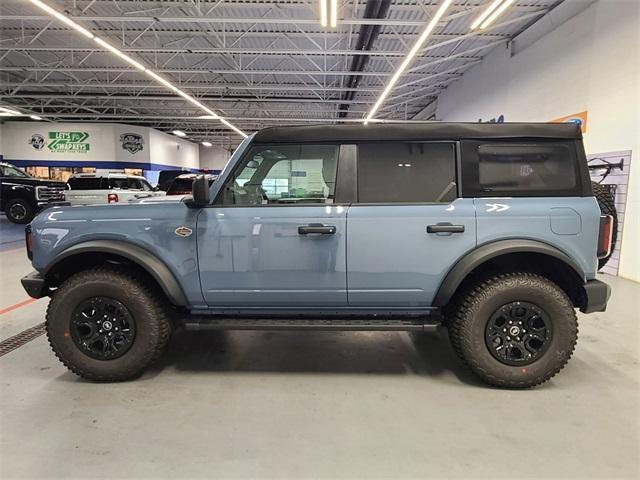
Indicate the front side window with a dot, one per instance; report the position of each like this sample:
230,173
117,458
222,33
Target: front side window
139,184
406,172
510,168
283,174
14,172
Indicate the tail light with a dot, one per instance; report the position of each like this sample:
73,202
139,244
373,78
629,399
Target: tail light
605,236
112,198
28,241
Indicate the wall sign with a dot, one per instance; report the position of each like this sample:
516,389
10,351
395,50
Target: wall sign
37,141
579,118
69,142
132,142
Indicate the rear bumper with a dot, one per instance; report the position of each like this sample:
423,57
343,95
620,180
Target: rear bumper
35,285
597,294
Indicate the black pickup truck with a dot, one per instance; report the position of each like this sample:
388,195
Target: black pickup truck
22,195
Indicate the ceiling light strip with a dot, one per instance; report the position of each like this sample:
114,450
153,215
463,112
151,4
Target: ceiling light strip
497,12
324,13
407,60
63,18
485,13
333,14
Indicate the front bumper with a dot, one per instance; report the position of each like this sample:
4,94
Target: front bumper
597,296
42,204
35,285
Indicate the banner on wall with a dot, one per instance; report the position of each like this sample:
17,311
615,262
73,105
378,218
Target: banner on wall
579,118
69,142
612,170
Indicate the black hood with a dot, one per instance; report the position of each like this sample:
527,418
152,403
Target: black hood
33,181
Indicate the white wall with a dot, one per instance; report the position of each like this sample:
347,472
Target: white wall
104,145
591,63
213,158
170,150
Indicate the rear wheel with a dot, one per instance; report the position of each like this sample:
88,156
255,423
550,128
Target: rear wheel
515,330
107,325
19,211
607,204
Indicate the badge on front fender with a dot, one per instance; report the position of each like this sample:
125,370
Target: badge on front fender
183,231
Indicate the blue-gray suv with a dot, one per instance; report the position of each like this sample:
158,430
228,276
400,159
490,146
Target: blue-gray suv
491,230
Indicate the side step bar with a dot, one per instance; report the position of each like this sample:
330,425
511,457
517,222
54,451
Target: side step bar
213,323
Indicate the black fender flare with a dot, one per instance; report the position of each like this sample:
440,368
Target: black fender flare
136,254
477,257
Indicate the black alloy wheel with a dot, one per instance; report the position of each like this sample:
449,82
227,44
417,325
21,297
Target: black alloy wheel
103,328
518,333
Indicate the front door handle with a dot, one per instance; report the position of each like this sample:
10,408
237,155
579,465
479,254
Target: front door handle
316,228
445,228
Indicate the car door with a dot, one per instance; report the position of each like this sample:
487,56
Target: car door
408,227
275,235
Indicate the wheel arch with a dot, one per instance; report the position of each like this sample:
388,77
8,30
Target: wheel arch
512,255
98,252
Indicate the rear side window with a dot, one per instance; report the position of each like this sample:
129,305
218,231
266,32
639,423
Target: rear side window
525,168
406,172
85,183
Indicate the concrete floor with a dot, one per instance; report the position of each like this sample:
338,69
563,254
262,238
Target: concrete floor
317,405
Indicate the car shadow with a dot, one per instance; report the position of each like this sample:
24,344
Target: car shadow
383,353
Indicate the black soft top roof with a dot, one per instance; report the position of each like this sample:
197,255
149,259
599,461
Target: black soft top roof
416,131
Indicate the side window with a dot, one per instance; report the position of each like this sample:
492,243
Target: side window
283,174
406,172
525,168
118,183
139,184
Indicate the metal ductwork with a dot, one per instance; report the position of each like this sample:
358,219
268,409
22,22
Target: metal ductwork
366,38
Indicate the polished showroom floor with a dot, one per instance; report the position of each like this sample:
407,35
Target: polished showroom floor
316,405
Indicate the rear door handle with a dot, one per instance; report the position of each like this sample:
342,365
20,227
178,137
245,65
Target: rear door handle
445,228
316,228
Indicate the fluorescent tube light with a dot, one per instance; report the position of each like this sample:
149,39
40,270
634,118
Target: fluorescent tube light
485,13
107,46
323,13
63,18
207,144
179,133
407,60
9,112
161,80
119,54
35,117
497,12
333,15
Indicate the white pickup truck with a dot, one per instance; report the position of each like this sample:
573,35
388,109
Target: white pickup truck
85,189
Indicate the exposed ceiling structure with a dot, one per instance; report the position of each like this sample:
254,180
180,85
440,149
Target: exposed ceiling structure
257,62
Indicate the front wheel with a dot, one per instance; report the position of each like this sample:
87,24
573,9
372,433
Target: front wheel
106,324
515,330
19,211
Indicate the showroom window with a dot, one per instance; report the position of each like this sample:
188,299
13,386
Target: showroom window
508,168
284,175
412,172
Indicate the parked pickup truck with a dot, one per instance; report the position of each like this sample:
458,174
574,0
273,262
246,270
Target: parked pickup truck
491,230
90,189
22,196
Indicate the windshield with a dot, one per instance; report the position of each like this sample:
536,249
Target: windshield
11,171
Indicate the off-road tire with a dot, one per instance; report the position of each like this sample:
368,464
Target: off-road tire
473,308
146,305
607,207
28,209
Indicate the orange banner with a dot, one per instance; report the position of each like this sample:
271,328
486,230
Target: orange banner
579,118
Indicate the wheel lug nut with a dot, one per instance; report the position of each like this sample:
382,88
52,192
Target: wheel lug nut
508,338
504,330
100,331
517,338
510,322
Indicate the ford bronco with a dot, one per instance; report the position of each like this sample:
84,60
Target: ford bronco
491,230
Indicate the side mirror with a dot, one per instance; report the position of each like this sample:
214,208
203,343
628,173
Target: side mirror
200,191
